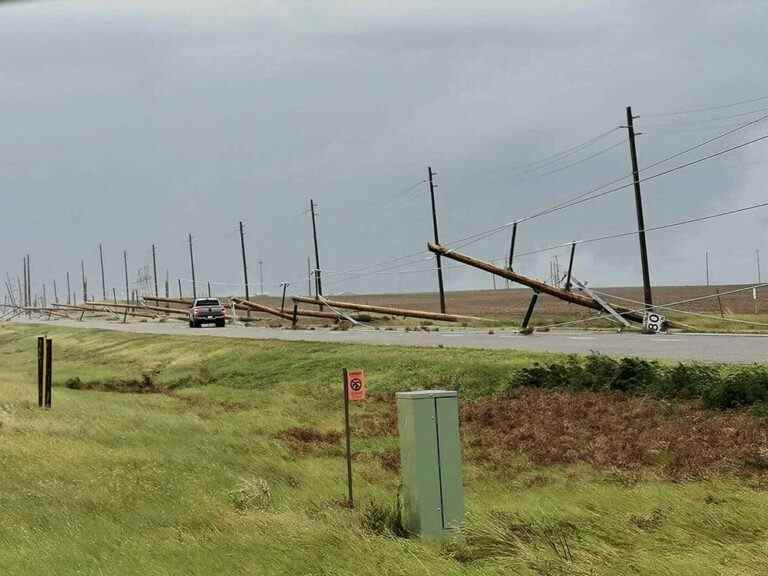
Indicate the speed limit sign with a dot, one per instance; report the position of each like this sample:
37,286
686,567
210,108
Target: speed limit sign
654,322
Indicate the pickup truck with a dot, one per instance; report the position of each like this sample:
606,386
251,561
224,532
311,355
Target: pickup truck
206,311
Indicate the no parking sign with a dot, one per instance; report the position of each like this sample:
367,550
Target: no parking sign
356,385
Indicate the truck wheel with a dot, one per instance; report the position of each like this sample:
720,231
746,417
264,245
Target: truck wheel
220,323
191,324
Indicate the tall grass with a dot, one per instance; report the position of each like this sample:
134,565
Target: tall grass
203,479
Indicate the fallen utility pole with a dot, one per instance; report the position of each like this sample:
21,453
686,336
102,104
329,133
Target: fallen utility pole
181,301
535,285
241,304
248,305
391,311
142,307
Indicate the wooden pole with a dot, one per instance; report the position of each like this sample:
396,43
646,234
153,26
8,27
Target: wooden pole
647,296
440,285
532,283
48,373
192,263
154,269
40,370
391,311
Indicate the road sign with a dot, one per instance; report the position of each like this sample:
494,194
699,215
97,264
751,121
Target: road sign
654,322
356,385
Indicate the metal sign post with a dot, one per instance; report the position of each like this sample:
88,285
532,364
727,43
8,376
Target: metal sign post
354,388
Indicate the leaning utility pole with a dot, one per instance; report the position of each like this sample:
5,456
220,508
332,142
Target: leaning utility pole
103,283
192,262
437,241
647,297
318,280
154,269
245,265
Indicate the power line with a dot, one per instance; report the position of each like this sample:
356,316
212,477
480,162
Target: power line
587,198
715,119
707,108
652,229
577,162
537,164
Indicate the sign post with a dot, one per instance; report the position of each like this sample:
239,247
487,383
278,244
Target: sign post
354,388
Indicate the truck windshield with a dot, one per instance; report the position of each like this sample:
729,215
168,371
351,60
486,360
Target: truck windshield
207,302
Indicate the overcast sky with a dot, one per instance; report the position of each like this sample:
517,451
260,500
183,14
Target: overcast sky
132,123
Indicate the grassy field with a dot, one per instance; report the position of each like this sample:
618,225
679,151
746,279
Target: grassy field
176,455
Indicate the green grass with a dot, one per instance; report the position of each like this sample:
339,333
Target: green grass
199,482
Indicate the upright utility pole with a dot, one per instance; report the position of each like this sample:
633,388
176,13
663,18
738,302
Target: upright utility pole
309,276
437,240
245,264
647,296
261,276
125,265
85,282
24,275
103,283
154,270
512,245
318,280
757,288
29,281
55,292
192,262
706,264
167,283
69,291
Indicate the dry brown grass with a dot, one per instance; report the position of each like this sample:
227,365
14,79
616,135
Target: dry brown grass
304,439
611,431
607,430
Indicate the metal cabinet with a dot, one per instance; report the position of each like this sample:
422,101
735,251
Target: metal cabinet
432,494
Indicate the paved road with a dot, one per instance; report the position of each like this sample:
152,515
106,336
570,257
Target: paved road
700,347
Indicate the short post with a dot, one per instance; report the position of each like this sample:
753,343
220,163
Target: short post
48,373
40,369
295,318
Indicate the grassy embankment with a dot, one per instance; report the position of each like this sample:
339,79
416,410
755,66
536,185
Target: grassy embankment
231,464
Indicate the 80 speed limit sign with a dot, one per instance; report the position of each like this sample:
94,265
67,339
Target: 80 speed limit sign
654,322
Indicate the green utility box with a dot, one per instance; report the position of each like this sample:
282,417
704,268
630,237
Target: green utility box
432,494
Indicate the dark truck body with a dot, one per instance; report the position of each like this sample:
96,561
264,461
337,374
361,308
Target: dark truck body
206,311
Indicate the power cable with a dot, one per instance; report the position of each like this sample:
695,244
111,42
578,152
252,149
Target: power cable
537,164
584,198
652,229
707,109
